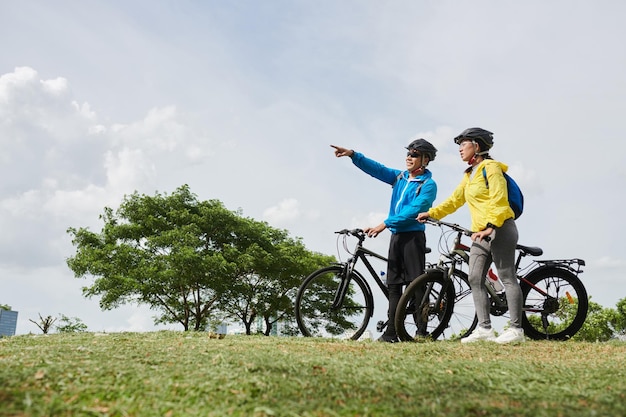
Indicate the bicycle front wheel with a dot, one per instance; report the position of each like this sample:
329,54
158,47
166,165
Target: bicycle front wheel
555,304
425,307
323,309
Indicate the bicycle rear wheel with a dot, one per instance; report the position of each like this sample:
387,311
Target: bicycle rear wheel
559,314
314,309
425,307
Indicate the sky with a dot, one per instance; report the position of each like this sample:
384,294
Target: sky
242,100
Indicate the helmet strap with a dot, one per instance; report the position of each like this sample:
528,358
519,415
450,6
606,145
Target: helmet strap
472,161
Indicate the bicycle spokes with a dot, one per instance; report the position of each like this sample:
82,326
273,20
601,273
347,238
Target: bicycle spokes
329,305
555,306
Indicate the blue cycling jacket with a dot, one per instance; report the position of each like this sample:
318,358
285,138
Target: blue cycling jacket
409,196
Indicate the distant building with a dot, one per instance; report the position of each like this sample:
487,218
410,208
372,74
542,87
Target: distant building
8,322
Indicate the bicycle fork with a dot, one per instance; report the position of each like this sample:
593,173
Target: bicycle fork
424,308
342,289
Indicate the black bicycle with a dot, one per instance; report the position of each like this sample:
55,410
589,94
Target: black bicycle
337,301
555,301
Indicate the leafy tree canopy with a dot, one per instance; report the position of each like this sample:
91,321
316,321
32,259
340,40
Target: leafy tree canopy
603,324
194,262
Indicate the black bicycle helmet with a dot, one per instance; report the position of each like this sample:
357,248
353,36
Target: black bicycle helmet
424,147
482,136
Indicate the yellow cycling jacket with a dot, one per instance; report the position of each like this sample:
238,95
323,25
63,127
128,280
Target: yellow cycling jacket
486,205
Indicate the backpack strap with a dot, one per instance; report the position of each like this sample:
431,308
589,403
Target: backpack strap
485,177
397,179
419,187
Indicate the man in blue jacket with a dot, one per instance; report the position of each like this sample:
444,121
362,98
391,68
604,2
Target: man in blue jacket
413,192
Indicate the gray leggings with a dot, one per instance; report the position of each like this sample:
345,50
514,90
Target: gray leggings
500,250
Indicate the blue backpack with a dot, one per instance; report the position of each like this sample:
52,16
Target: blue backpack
516,198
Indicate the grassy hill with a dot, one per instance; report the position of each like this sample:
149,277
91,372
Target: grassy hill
195,374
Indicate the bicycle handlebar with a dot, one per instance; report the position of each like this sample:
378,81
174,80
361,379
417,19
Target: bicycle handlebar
361,234
453,226
353,232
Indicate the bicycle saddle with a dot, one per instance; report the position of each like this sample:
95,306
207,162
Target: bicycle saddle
530,250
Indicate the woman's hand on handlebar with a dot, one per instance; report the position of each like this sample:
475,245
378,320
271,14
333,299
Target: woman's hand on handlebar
482,235
422,217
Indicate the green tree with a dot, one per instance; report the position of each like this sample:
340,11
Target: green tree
289,266
165,251
193,262
70,325
270,267
597,326
619,319
5,307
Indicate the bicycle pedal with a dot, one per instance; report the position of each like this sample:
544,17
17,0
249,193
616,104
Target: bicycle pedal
380,326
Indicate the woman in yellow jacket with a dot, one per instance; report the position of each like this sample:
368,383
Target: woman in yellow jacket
493,217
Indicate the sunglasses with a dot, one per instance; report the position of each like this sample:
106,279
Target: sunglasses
413,154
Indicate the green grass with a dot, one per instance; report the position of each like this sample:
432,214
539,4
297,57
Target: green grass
191,374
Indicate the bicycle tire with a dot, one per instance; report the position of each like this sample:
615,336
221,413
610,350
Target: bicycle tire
434,295
313,305
565,308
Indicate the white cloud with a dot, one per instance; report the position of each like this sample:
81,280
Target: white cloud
284,213
85,110
57,86
127,168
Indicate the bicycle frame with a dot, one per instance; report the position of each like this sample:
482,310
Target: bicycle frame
338,297
536,265
460,254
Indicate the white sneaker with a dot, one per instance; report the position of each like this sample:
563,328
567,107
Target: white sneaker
480,334
511,335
